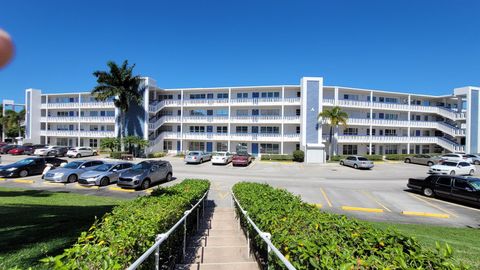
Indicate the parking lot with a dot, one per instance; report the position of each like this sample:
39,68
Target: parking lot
379,194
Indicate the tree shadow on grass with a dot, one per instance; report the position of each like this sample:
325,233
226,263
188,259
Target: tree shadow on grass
30,192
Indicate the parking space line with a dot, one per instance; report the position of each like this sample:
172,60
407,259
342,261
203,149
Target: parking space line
3,179
23,181
326,197
318,205
121,189
53,183
369,195
86,187
424,214
433,205
362,209
454,204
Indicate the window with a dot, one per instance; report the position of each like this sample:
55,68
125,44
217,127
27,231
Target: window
391,149
425,118
381,99
391,100
197,129
242,95
270,130
350,131
196,146
93,143
255,129
222,129
241,129
269,148
197,96
242,112
210,96
373,131
444,181
381,116
390,132
93,113
270,94
350,97
391,116
222,146
110,113
93,128
297,112
269,112
298,94
167,145
198,112
222,95
350,149
297,146
298,130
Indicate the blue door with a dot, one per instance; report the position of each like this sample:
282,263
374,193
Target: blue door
178,146
209,129
255,112
209,147
255,95
255,149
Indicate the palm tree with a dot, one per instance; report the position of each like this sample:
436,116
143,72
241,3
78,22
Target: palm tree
122,86
335,117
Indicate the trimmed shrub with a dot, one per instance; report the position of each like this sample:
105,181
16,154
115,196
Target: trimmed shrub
312,239
123,235
369,157
396,156
276,157
157,155
117,155
298,155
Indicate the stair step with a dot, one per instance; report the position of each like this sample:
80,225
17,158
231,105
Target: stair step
215,241
219,225
218,266
220,232
220,210
222,254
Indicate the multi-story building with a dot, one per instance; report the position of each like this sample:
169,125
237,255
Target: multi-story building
266,119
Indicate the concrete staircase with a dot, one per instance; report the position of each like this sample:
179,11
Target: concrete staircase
218,245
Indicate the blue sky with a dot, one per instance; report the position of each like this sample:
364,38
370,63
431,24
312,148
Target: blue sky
410,46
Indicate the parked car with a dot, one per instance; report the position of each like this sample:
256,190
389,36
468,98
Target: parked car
357,162
70,172
4,149
465,189
242,159
197,157
21,150
475,158
104,175
29,166
54,151
81,152
453,168
456,157
145,173
423,159
222,157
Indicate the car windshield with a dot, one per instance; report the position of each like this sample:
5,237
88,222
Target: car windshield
103,168
476,184
242,154
193,153
362,159
141,166
73,165
219,154
451,164
24,161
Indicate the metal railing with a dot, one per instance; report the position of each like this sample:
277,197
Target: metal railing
265,237
160,238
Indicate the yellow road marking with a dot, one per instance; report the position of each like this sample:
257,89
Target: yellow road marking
318,205
375,200
362,209
432,205
326,197
424,214
3,179
91,187
121,189
53,183
23,181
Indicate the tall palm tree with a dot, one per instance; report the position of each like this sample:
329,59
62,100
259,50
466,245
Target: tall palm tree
335,117
120,84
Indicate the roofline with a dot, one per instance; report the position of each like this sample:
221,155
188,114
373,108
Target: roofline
389,92
229,87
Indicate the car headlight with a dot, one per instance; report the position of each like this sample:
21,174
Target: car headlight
91,178
11,169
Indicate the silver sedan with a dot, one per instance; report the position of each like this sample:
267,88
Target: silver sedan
104,175
197,157
70,172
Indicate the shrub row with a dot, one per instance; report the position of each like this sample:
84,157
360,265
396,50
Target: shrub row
277,157
396,156
312,239
370,157
117,155
123,235
157,155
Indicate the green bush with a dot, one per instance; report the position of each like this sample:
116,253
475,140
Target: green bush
123,235
396,156
277,157
117,155
312,239
157,155
298,155
369,157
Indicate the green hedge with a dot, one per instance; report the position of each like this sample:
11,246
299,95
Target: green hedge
298,155
370,157
123,235
312,239
397,156
157,155
277,157
117,155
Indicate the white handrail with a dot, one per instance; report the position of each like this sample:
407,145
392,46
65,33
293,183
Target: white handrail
160,238
265,237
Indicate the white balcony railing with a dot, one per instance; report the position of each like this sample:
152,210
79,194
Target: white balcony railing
205,102
77,133
205,119
76,119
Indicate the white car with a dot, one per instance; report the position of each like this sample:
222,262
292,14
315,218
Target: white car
222,158
81,152
453,168
456,157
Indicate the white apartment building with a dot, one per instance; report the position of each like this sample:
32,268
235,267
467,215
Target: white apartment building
266,119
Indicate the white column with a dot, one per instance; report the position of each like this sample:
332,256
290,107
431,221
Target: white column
370,121
181,120
335,98
46,117
408,129
282,129
78,125
229,118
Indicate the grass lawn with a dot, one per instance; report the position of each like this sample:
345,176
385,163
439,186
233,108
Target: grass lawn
464,241
35,224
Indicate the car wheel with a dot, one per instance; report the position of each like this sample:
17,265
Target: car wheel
50,154
429,164
72,178
428,192
476,162
169,177
145,184
452,173
407,160
23,173
104,181
95,153
78,155
471,172
355,166
201,160
341,163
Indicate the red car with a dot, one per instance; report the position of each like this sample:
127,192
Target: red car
241,159
21,150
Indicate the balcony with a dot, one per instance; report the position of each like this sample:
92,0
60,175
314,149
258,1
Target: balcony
158,105
77,133
75,119
76,105
206,102
208,136
164,119
97,104
205,119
